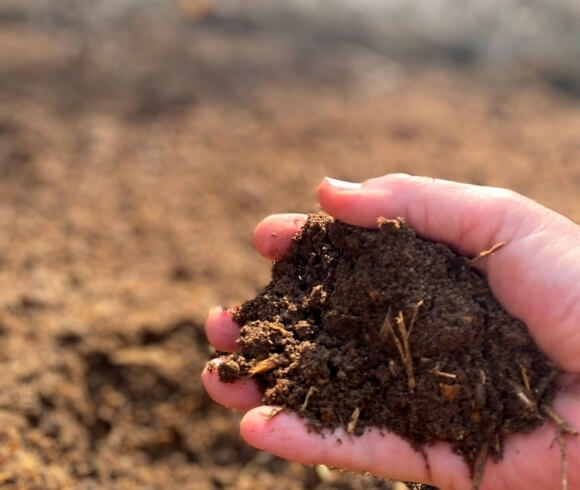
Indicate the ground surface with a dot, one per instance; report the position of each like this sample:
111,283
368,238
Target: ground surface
126,214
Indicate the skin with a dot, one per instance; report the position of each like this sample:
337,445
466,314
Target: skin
536,277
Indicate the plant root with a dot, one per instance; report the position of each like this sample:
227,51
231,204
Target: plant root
479,467
562,427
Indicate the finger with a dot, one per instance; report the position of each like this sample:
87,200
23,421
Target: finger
389,456
240,395
221,330
273,235
468,217
287,436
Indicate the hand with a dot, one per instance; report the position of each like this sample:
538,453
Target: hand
536,277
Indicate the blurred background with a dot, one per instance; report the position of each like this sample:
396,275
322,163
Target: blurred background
141,140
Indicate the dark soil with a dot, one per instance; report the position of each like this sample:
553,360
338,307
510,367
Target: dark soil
381,328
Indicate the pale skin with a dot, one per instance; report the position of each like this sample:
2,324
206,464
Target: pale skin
536,277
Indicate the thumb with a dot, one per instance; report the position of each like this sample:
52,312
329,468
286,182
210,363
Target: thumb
536,276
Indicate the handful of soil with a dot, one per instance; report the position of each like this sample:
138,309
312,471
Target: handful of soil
381,328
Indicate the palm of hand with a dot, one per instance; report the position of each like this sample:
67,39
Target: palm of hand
535,277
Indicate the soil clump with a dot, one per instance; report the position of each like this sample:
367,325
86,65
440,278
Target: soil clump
381,328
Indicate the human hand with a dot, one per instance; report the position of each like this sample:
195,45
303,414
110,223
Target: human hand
536,277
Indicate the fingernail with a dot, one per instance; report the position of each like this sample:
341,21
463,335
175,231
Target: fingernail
343,185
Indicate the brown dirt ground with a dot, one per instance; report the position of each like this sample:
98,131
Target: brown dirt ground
118,234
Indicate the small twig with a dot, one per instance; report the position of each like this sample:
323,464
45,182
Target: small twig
443,374
526,379
406,350
486,253
353,421
402,329
265,365
414,317
311,390
521,394
387,327
523,397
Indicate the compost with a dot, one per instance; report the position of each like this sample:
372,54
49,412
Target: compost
365,328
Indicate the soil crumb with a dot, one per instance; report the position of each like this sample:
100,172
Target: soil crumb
381,328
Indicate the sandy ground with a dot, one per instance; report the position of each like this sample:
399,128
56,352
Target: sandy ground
123,218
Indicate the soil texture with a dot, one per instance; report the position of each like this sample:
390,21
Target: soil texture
380,328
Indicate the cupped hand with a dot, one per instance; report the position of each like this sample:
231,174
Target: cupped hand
536,277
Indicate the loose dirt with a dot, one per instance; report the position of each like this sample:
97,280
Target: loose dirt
380,328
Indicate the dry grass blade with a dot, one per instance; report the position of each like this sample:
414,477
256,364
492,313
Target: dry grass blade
402,345
353,420
443,374
414,317
311,391
395,222
523,397
525,379
407,360
487,253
